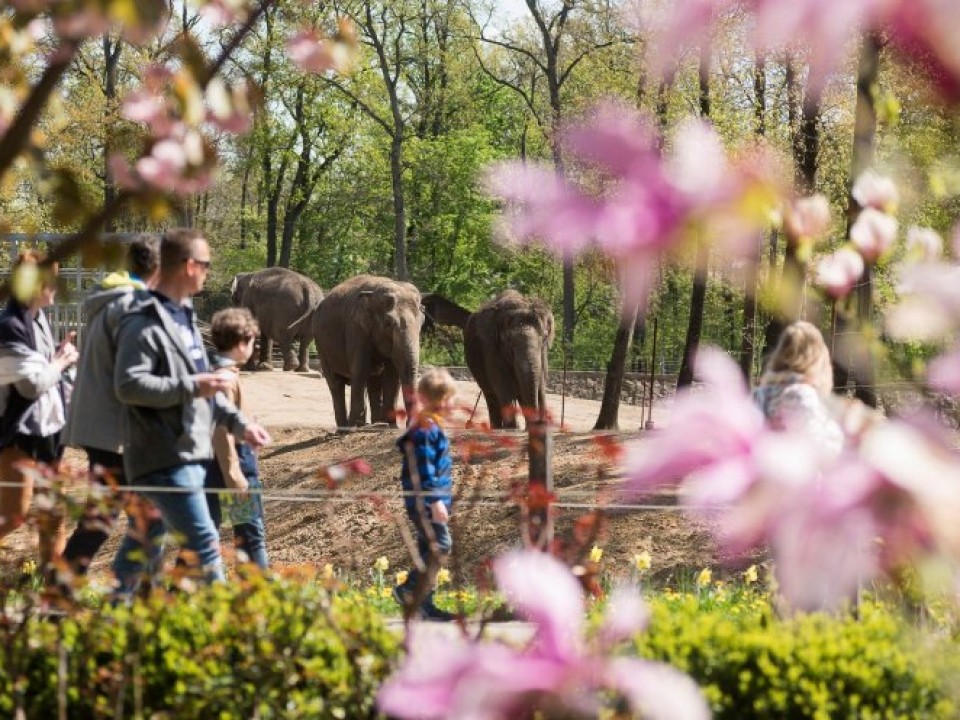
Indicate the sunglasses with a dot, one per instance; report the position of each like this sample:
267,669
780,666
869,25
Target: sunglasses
204,263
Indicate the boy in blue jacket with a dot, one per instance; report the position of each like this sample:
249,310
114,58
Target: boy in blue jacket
427,480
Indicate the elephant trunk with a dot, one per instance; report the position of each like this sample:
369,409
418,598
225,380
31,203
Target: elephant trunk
408,361
529,376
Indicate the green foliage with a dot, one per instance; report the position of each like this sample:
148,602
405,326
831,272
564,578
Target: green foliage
256,648
751,665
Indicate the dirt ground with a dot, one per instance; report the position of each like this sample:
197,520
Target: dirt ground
358,522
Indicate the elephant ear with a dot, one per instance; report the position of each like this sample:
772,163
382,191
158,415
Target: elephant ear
375,305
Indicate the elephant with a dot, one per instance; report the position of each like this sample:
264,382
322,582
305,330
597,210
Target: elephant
507,341
282,301
367,331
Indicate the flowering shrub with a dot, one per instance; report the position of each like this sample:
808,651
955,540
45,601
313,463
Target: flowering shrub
254,648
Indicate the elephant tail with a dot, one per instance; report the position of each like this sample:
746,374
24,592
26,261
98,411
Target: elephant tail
310,310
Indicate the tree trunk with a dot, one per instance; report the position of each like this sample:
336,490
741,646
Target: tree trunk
609,417
111,60
701,270
244,191
399,210
748,338
856,359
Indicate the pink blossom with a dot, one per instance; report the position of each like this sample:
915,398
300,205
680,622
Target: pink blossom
315,54
453,679
873,233
943,372
229,108
924,244
879,192
650,203
839,272
223,12
807,219
929,307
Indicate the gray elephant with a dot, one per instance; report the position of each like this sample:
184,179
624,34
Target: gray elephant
367,331
507,341
282,301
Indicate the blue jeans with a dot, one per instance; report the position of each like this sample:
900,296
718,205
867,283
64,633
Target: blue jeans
443,538
184,514
249,537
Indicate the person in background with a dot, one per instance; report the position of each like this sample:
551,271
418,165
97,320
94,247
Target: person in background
234,332
794,390
32,371
93,422
171,401
426,475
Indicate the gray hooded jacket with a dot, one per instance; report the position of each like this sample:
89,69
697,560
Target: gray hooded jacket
165,424
94,418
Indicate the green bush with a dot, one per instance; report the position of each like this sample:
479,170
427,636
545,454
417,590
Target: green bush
753,666
256,648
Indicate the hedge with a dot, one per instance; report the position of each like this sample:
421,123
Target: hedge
257,648
754,667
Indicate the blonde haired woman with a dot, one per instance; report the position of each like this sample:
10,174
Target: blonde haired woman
794,389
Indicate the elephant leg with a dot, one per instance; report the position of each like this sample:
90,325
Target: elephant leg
390,381
493,408
375,396
338,393
266,353
304,359
359,373
289,358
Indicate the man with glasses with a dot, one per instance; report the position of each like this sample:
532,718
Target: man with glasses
171,403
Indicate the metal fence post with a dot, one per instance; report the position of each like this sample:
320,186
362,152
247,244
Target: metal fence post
540,489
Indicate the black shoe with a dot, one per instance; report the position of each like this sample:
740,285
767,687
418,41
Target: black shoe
403,597
429,611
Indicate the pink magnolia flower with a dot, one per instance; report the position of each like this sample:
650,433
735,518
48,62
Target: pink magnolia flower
879,192
873,233
943,372
929,306
316,54
223,12
443,678
807,219
924,244
839,272
649,204
230,109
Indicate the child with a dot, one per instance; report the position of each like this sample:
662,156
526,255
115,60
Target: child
233,332
429,488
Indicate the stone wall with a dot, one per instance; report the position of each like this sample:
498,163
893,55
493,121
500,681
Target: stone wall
588,385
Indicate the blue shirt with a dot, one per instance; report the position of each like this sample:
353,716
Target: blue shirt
183,316
431,451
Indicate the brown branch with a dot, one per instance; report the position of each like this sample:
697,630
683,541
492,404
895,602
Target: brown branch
14,139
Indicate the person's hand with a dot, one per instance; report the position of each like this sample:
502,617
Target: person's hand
438,512
256,436
209,384
243,487
66,354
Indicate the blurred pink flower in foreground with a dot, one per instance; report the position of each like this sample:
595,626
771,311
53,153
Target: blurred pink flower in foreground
873,233
838,273
651,203
924,31
872,190
443,678
832,522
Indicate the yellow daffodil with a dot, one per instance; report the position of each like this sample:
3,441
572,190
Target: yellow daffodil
642,561
596,554
381,564
29,567
704,578
386,593
402,577
443,576
328,572
750,575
